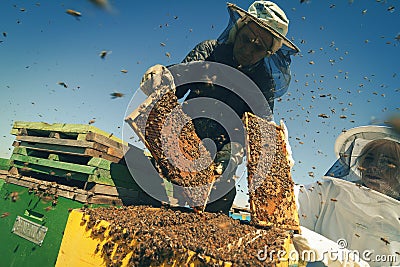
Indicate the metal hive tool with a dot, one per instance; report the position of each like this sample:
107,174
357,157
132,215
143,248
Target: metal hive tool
169,135
271,188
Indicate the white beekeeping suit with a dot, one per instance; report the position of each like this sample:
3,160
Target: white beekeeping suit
364,221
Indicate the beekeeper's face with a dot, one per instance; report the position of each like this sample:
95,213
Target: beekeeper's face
251,44
380,169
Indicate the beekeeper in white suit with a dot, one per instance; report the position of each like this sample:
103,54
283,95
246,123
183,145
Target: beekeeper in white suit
356,207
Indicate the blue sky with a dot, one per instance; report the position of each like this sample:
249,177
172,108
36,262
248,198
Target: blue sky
347,66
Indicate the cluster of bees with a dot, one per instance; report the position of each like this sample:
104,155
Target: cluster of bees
154,236
171,138
48,193
271,188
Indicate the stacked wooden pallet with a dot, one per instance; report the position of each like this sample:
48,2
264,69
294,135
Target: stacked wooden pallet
85,162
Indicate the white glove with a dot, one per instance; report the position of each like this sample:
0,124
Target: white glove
230,155
156,77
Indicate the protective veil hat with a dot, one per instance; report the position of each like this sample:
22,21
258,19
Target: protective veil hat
363,135
349,146
269,16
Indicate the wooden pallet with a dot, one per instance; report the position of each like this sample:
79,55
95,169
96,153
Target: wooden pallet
158,128
67,136
75,148
96,170
271,188
98,194
69,131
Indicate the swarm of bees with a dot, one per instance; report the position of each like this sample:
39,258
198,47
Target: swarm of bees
166,234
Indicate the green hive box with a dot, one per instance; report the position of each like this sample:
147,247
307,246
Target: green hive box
35,213
53,169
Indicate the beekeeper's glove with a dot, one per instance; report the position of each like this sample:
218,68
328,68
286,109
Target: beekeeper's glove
229,157
156,77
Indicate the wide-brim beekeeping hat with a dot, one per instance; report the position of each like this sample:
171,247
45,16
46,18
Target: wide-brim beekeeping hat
270,17
363,135
349,146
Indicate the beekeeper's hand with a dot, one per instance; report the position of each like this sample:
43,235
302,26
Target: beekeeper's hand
156,77
229,157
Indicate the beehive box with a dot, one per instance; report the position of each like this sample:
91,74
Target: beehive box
31,225
170,136
144,236
271,188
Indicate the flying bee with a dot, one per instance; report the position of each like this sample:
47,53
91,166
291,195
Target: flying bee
63,84
5,214
74,13
360,168
104,53
323,115
100,3
116,95
14,196
392,166
385,240
48,208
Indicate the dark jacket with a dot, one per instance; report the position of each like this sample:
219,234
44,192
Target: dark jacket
212,51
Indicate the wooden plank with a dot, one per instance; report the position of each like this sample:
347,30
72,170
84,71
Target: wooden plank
100,179
114,178
100,163
109,200
62,127
76,151
21,166
61,190
119,153
100,189
119,175
55,164
95,137
63,142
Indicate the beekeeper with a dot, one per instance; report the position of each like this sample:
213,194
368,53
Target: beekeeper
357,205
255,44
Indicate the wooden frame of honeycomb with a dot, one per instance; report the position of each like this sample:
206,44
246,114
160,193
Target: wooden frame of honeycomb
169,135
271,188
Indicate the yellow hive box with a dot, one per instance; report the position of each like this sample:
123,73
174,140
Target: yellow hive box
80,248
